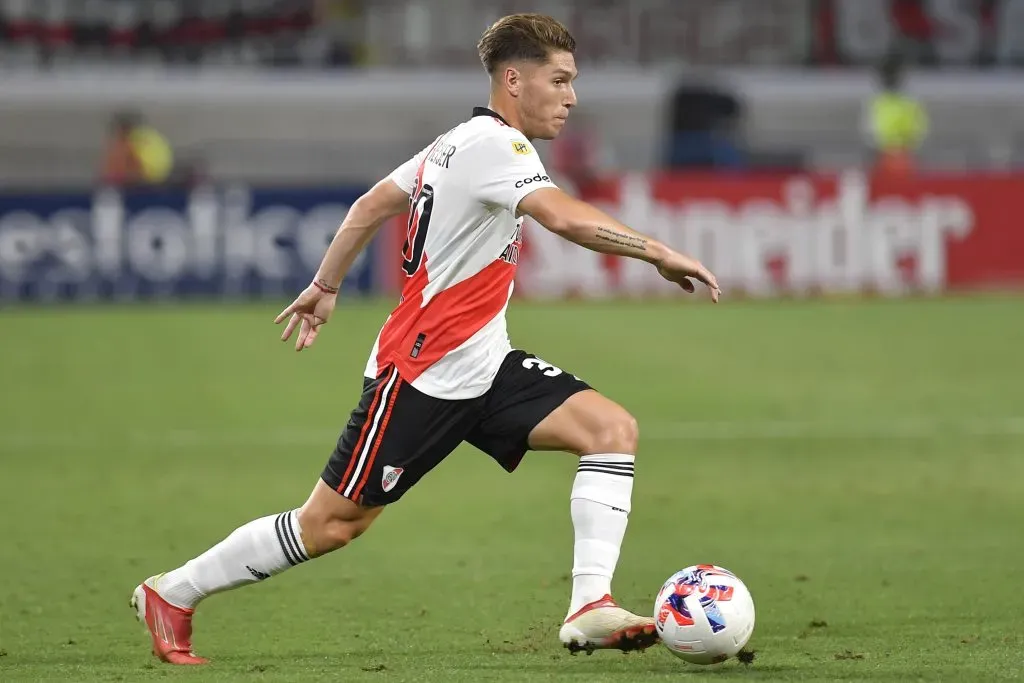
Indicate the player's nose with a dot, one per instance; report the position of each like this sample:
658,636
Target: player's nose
570,101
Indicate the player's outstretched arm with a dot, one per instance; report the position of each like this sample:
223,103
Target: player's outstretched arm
313,307
383,201
588,226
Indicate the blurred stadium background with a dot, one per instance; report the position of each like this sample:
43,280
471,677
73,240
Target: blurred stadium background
171,171
850,144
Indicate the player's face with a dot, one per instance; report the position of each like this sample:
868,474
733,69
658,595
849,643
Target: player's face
547,95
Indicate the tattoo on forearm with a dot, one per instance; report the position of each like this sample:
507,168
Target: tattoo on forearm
622,239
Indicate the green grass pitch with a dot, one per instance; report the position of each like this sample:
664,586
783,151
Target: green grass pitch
859,464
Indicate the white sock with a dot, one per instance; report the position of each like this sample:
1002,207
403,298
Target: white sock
256,551
600,504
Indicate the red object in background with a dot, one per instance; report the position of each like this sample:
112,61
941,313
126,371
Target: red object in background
937,33
774,234
964,225
894,164
768,234
993,253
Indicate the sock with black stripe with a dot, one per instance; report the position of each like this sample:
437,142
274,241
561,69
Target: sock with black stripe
253,552
599,504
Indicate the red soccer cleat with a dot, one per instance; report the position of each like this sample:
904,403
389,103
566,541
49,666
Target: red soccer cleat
170,626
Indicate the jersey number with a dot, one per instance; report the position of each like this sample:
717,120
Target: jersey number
546,368
416,232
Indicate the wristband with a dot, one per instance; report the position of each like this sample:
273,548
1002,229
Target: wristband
325,288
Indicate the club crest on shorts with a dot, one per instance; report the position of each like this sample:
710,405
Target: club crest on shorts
391,475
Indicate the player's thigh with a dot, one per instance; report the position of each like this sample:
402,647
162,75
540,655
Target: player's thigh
394,437
587,423
525,392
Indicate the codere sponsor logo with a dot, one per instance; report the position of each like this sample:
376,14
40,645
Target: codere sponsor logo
535,179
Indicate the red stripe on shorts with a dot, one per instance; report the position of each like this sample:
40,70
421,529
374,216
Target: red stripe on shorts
377,442
367,423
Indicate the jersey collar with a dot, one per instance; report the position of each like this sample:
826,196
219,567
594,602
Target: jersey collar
484,111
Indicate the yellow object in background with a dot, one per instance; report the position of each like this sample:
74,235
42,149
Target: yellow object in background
153,152
897,122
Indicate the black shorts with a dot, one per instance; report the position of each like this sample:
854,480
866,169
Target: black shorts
397,434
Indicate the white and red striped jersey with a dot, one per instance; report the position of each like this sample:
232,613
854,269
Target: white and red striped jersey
447,336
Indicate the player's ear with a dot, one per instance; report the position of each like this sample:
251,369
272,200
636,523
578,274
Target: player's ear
513,80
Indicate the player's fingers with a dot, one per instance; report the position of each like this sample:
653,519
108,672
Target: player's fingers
716,291
311,337
304,328
290,327
286,312
706,276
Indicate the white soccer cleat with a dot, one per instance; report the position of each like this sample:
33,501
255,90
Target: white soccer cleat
603,625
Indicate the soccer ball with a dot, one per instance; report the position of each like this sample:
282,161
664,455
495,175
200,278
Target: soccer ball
704,614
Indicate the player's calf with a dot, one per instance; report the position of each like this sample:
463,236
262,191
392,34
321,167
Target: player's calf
330,521
268,546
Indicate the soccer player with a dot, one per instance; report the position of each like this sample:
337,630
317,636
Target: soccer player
442,370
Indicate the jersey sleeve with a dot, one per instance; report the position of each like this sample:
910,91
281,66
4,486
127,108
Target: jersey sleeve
405,175
508,169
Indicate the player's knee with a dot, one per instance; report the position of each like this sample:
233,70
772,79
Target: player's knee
619,433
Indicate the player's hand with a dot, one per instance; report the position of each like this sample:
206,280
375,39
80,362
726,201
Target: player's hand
311,309
679,268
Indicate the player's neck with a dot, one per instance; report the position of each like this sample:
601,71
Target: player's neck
507,112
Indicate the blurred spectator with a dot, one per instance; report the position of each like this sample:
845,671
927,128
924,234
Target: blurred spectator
896,122
578,153
704,122
136,153
334,39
